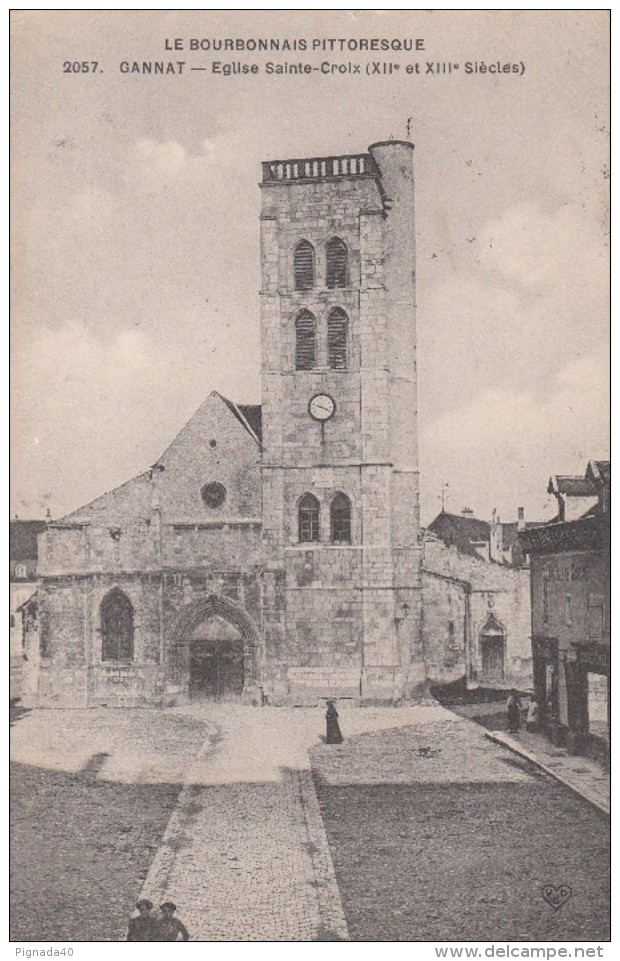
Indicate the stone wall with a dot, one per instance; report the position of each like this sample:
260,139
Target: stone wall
350,623
463,596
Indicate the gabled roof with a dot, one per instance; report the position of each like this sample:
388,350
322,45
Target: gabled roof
599,472
572,485
250,415
23,539
253,413
135,497
462,531
585,534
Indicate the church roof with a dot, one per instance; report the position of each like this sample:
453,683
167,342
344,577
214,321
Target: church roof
250,415
253,413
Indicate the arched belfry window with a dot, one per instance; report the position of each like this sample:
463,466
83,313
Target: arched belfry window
304,265
305,341
116,627
340,517
309,515
337,327
337,267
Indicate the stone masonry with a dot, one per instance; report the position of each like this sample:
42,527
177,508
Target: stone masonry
133,586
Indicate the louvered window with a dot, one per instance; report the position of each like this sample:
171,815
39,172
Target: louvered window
305,341
337,325
116,627
304,266
341,519
336,263
309,511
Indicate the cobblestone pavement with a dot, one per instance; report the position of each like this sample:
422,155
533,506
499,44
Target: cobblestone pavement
248,830
245,856
436,833
91,794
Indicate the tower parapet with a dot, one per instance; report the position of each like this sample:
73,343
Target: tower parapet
319,168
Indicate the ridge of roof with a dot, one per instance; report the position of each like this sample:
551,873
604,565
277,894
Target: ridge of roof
575,485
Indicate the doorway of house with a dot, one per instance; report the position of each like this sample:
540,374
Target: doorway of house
216,661
492,657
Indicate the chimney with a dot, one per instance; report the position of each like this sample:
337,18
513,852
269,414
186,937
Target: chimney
520,519
467,512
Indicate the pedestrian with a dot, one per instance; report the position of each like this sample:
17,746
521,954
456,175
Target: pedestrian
531,719
334,734
143,927
168,927
513,709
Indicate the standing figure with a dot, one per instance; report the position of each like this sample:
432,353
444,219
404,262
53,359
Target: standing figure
142,928
513,709
531,720
334,735
168,927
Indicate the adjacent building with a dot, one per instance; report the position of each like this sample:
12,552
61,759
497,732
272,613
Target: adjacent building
476,620
23,557
570,585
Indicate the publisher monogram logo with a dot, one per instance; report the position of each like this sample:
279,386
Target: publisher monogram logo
556,895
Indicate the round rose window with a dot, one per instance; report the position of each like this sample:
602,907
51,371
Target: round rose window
213,494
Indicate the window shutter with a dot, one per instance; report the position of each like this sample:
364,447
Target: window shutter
304,266
305,341
341,519
336,263
337,339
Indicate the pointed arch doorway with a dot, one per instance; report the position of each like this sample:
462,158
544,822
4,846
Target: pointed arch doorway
212,646
216,661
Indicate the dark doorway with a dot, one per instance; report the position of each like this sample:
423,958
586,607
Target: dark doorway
216,661
492,658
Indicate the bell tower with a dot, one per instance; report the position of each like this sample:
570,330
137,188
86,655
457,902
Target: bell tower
342,592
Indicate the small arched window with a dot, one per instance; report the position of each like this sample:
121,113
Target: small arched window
305,341
309,514
304,265
337,327
336,275
340,516
116,627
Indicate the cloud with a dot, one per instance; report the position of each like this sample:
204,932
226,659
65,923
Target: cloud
540,250
500,449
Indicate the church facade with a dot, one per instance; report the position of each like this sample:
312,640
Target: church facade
272,553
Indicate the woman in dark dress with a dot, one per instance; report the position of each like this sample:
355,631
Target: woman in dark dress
334,735
513,709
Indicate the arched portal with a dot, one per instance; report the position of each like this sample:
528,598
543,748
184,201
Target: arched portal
492,649
212,649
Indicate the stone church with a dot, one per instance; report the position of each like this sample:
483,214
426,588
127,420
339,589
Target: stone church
271,553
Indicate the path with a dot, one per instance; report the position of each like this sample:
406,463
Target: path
245,856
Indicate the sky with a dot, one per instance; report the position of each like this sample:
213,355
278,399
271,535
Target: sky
135,236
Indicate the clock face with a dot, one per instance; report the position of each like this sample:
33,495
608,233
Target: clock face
322,407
